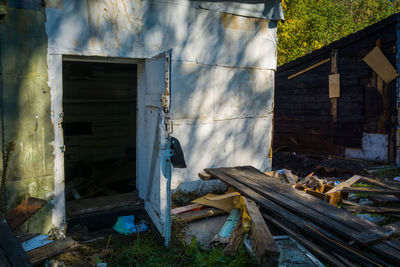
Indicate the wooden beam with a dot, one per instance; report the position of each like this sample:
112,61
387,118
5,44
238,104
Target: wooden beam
197,215
309,68
83,207
362,208
368,190
334,70
379,183
344,184
261,238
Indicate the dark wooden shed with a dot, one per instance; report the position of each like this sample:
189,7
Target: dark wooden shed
362,122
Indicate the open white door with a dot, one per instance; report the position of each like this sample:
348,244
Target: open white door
153,141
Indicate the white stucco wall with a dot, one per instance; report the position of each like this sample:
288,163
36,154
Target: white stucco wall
222,74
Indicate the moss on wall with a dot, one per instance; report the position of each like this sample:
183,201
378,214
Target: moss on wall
26,112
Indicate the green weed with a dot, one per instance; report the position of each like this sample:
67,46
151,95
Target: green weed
147,251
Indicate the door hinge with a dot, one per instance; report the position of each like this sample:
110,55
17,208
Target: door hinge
169,126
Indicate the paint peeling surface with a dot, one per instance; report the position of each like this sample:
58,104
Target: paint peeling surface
374,147
222,71
141,29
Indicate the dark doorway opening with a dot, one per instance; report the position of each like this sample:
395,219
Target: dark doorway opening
99,125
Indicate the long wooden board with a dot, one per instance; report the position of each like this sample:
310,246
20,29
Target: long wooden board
187,208
344,184
199,214
392,229
274,208
305,242
261,238
41,254
384,248
368,190
343,247
249,173
379,183
309,68
82,207
296,200
362,208
24,211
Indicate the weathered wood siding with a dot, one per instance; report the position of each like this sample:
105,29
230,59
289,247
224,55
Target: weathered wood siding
302,119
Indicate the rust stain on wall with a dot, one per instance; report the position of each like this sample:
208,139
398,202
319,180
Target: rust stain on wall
230,21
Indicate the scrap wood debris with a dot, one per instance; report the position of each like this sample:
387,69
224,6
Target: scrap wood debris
30,249
302,211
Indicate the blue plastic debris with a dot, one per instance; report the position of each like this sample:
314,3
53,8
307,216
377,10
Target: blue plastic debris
36,242
126,225
281,171
227,228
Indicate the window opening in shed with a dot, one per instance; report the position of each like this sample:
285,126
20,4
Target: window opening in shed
99,125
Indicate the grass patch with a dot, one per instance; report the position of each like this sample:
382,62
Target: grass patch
148,251
389,173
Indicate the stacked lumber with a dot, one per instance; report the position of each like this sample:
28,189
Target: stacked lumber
335,235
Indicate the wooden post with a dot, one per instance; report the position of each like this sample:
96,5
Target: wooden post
334,70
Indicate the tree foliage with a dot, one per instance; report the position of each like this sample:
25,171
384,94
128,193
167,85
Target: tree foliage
311,24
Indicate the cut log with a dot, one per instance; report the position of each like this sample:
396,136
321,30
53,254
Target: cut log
24,211
261,238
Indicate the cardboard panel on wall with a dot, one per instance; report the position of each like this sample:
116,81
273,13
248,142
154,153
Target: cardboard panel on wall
381,65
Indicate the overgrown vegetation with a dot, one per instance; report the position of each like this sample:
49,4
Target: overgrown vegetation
311,24
387,173
148,251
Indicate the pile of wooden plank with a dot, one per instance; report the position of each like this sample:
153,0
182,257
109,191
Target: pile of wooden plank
335,235
30,249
